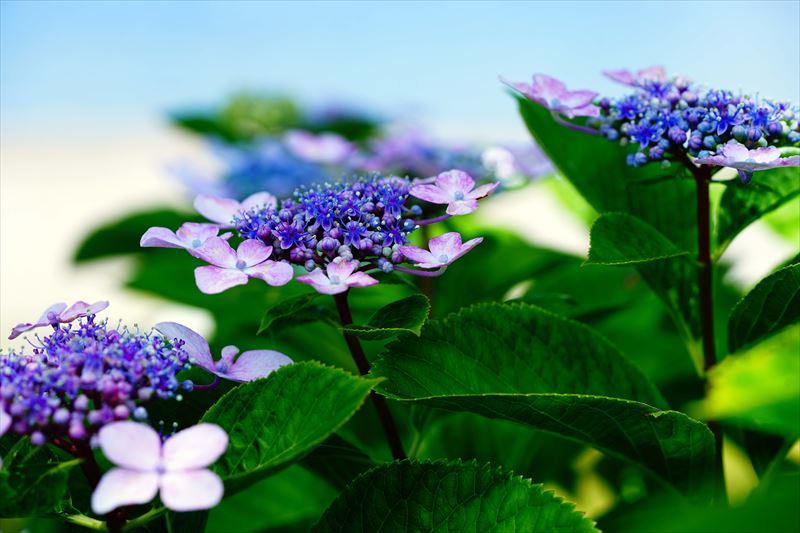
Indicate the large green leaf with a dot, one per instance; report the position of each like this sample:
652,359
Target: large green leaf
772,305
742,204
397,318
621,239
121,236
275,421
521,363
337,461
662,196
448,496
759,388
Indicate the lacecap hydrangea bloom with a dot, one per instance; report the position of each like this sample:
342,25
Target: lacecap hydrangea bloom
339,232
665,118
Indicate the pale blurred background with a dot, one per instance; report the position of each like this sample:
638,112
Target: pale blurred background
84,88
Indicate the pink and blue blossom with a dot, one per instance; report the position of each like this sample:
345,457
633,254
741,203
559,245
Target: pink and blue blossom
454,188
228,267
176,469
338,277
736,155
224,210
324,148
442,250
190,236
553,94
59,314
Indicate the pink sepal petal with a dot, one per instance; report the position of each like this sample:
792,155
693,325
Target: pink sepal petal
216,209
120,487
341,269
130,445
275,273
461,207
158,237
482,191
191,491
194,447
5,421
254,364
430,193
55,309
191,231
217,252
214,280
253,252
446,244
416,254
360,280
454,181
259,199
194,343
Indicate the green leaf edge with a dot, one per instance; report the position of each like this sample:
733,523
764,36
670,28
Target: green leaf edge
589,261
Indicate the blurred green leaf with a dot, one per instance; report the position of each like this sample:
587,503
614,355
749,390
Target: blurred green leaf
33,480
337,461
275,421
121,236
297,309
773,304
742,204
448,496
521,363
621,239
759,388
403,316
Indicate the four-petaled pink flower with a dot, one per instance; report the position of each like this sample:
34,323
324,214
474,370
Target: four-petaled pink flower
229,268
252,364
736,155
145,466
626,77
338,277
222,210
189,236
326,148
553,94
454,188
59,314
444,249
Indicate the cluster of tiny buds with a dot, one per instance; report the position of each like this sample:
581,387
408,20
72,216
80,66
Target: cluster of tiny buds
85,375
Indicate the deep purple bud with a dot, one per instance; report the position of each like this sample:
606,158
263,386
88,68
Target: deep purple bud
328,244
285,215
77,432
677,135
774,129
37,438
753,134
656,153
336,232
695,142
264,233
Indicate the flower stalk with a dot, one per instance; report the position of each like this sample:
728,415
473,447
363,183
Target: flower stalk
387,421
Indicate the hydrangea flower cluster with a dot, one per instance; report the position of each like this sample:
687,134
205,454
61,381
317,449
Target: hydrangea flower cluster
665,117
85,375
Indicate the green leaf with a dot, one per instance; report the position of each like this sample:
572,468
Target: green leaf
448,496
275,421
337,461
664,197
621,239
772,305
742,204
758,389
121,236
403,316
33,480
295,308
521,363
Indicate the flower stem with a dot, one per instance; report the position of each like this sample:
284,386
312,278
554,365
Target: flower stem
389,427
575,127
423,273
705,282
427,221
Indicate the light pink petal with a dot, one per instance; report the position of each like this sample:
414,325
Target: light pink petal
447,245
160,238
523,88
191,491
216,209
430,193
193,234
228,353
461,207
361,280
623,76
54,309
259,199
254,364
576,99
253,252
547,87
19,329
735,151
5,421
78,309
792,161
131,444
341,269
455,181
418,255
765,154
654,73
718,160
590,110
217,252
119,487
483,190
466,247
194,343
321,283
275,273
322,148
214,280
97,307
194,447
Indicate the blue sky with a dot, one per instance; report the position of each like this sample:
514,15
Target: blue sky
118,64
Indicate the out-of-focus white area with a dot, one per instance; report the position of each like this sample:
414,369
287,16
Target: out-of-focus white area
54,189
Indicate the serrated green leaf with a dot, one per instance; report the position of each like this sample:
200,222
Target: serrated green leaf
448,496
772,305
337,461
121,236
759,388
33,480
742,204
403,316
622,239
275,421
521,363
296,309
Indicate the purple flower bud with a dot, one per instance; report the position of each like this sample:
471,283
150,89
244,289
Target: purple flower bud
264,233
710,142
81,403
753,134
121,412
774,128
739,133
61,416
37,438
328,244
793,137
140,413
77,432
677,135
310,265
95,417
656,153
